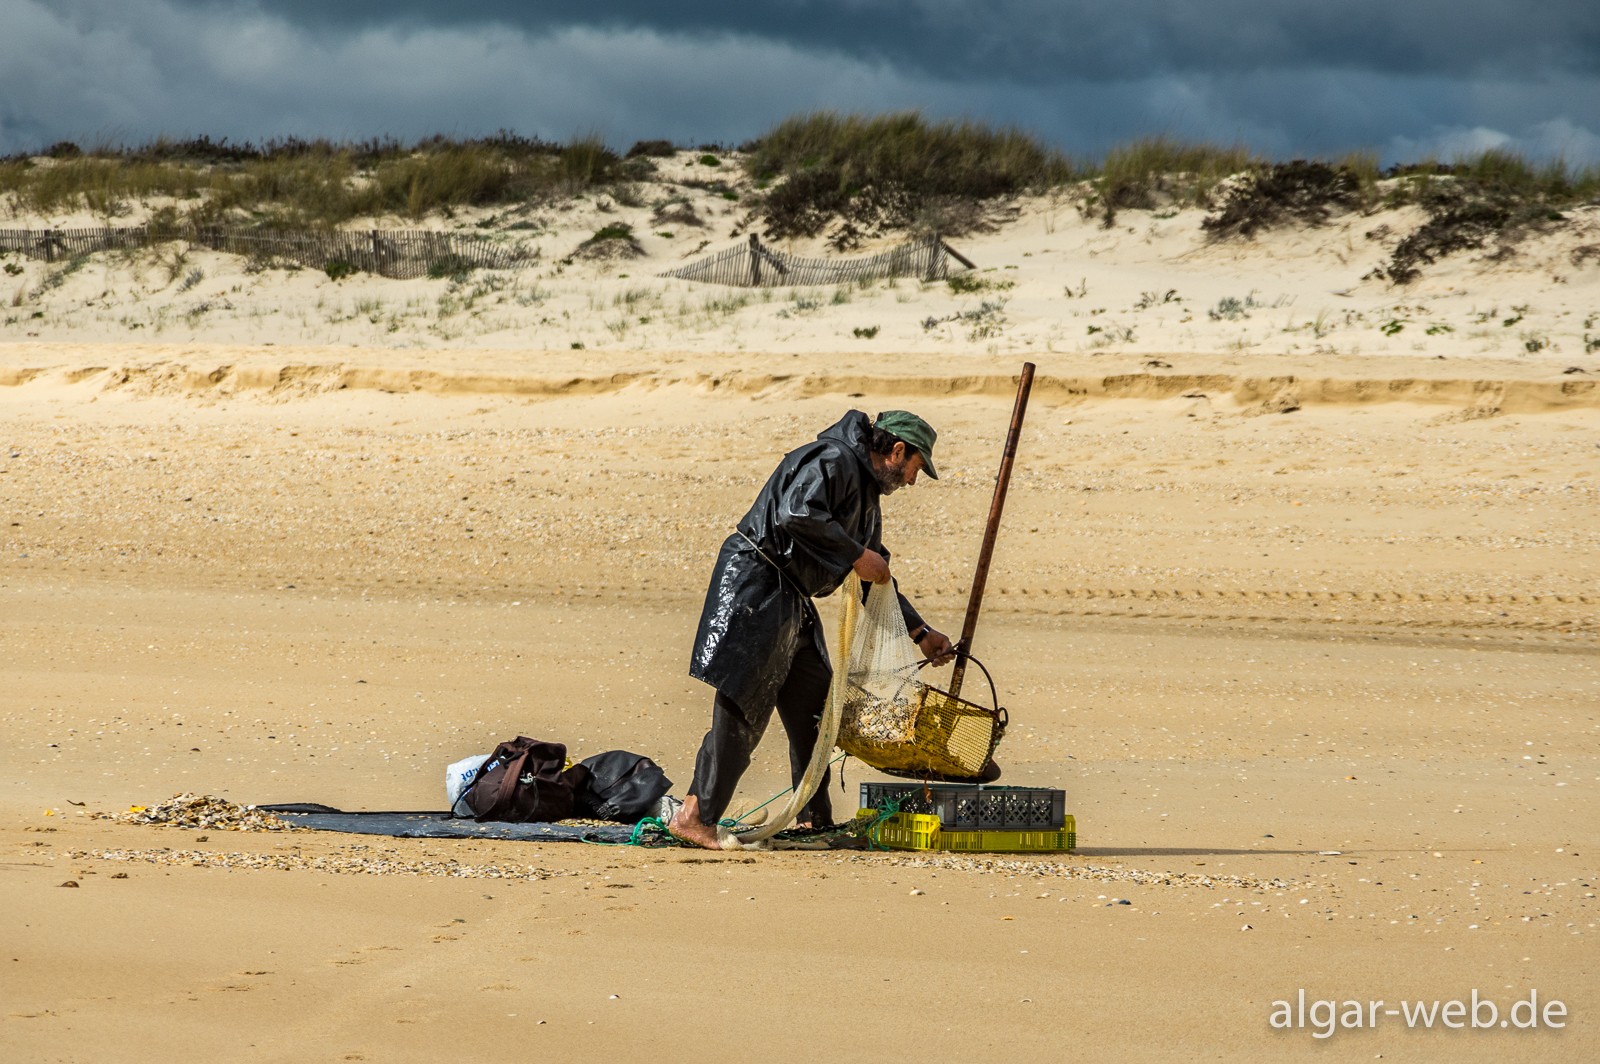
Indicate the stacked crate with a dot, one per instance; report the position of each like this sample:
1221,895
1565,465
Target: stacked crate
969,818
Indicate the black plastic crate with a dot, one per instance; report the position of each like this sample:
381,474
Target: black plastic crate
974,806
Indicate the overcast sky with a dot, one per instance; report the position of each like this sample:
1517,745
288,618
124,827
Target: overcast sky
1406,78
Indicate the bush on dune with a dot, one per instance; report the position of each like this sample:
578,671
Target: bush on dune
1495,196
1302,192
946,158
877,172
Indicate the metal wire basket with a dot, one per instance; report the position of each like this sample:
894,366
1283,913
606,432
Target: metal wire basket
950,738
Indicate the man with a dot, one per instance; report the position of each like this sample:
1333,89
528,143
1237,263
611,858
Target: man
760,642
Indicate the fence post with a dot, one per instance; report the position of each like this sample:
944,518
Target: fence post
377,262
49,245
755,261
953,253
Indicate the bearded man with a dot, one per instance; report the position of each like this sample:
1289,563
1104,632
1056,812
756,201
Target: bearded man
760,642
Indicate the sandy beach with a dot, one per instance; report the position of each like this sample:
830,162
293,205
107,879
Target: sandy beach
1301,610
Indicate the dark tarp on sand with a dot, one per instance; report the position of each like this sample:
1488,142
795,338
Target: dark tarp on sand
429,825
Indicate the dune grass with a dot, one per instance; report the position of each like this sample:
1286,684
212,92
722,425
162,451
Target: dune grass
852,176
873,173
1498,170
1161,171
958,158
297,182
822,165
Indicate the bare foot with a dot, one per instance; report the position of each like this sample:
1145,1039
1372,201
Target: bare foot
686,826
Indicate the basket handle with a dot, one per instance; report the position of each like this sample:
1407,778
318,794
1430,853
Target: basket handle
994,695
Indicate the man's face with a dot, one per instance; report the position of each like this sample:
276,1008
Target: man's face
900,467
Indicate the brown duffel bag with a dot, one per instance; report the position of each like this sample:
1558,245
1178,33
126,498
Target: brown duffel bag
525,780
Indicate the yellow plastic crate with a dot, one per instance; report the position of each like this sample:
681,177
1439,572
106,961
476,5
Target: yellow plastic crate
905,831
921,831
1065,840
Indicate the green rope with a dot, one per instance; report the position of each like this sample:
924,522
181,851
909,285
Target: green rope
636,839
740,821
871,827
652,823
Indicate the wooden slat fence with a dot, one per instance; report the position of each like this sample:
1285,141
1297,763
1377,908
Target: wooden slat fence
754,265
402,253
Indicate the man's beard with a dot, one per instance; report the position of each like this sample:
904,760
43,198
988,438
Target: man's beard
891,478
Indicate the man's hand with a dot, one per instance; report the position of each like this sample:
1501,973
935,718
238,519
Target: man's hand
936,647
872,567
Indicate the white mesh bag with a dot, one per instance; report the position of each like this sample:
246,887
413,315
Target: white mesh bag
884,694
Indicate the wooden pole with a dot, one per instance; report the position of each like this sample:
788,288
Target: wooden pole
991,529
953,253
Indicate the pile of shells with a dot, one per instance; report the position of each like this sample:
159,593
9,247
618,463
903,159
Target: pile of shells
1074,871
882,720
355,860
204,811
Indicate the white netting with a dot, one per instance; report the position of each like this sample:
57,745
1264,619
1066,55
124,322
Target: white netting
884,694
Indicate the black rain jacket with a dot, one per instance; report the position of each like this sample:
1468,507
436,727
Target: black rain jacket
813,518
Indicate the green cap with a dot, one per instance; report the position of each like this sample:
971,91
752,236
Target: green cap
916,433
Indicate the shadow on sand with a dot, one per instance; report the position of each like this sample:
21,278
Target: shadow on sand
1169,851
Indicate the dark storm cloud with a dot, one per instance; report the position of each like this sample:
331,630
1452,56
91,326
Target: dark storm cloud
1042,41
1407,78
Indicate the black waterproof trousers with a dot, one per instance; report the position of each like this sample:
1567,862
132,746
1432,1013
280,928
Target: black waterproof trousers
735,731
